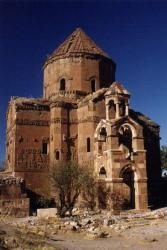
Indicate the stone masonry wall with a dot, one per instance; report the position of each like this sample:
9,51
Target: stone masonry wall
13,200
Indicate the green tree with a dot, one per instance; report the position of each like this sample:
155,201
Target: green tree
69,180
163,156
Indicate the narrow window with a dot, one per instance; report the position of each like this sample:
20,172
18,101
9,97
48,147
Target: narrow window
88,144
44,148
122,108
20,139
93,85
103,134
102,173
112,110
125,138
62,84
57,155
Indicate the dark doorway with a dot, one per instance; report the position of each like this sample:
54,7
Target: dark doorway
129,188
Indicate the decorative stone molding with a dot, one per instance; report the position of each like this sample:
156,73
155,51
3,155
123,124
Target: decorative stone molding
32,122
10,180
74,94
34,106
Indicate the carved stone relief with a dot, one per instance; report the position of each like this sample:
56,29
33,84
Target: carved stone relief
32,159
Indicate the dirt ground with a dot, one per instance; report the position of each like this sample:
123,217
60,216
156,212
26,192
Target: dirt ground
140,235
144,237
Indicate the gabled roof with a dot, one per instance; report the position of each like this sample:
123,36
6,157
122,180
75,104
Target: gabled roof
92,96
78,42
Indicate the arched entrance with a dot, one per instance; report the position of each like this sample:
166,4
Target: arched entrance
128,190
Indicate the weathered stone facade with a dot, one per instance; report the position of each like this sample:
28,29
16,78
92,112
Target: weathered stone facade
84,115
13,198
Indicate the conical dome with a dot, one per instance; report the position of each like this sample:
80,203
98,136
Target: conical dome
77,66
78,43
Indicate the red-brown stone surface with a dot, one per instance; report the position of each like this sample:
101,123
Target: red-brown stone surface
84,115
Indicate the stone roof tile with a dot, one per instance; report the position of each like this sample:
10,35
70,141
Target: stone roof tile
78,42
117,88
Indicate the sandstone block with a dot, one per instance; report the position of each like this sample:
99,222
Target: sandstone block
47,212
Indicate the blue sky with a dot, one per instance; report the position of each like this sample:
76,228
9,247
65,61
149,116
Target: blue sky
133,33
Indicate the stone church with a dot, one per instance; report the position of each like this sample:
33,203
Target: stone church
85,116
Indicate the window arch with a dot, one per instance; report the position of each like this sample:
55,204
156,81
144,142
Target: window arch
112,109
45,145
102,172
62,84
126,139
128,174
103,134
44,148
88,144
122,108
57,155
93,85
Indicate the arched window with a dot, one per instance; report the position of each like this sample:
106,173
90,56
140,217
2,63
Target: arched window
125,138
112,109
44,148
57,155
102,173
103,134
122,108
93,85
62,84
88,144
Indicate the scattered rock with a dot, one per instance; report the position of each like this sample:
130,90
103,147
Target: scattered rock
73,223
94,225
86,221
151,239
108,222
2,232
74,228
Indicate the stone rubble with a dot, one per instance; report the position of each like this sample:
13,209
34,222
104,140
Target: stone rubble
92,225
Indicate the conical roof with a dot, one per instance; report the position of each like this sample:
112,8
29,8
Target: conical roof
78,43
117,88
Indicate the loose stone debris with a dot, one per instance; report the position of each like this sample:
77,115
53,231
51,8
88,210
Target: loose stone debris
90,225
